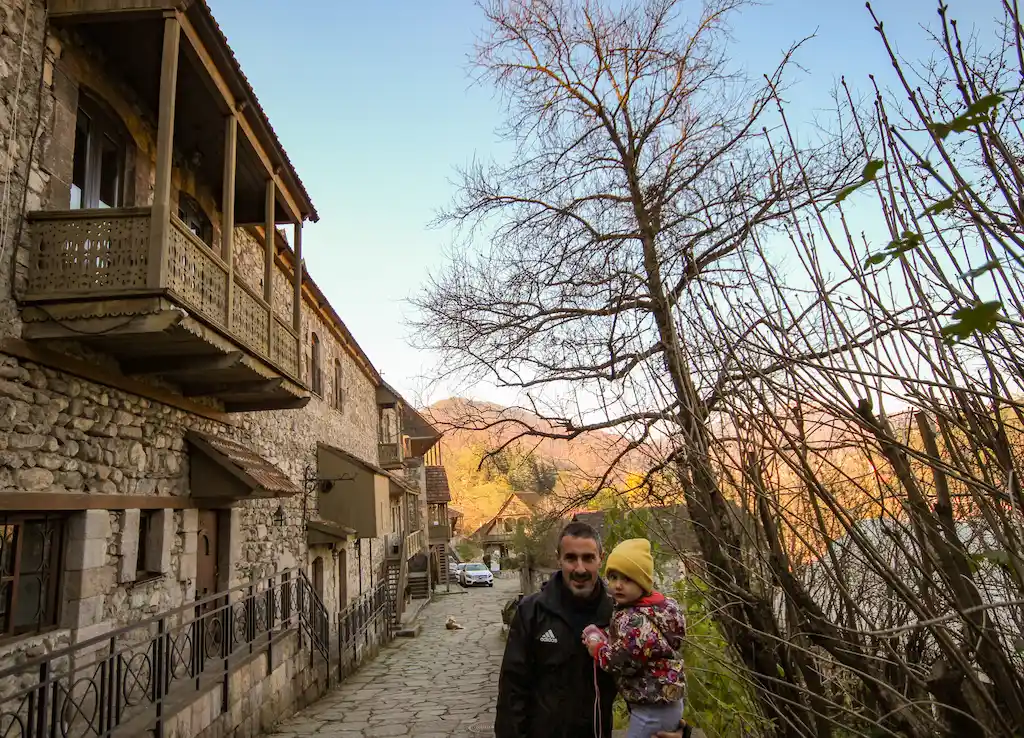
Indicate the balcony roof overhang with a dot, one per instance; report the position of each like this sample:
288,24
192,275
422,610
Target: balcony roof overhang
225,470
129,32
336,466
421,433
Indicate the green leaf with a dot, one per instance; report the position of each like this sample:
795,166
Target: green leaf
976,114
871,170
981,317
941,206
985,268
908,241
997,556
868,174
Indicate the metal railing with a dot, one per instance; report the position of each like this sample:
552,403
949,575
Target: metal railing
362,627
122,681
314,619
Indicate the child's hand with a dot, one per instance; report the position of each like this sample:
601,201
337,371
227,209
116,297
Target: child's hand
593,639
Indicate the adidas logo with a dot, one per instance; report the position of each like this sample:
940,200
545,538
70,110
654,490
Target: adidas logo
548,637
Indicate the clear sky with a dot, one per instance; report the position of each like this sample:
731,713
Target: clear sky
373,101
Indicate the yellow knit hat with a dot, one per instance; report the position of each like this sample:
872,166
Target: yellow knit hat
632,558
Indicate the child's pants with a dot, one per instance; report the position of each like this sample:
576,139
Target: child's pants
646,720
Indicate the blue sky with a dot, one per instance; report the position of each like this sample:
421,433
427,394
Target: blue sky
374,103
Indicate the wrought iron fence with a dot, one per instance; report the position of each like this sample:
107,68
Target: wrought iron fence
122,681
363,627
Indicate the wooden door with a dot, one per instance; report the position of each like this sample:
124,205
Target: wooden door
318,577
207,555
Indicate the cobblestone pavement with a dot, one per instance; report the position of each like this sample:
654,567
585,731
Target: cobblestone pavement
441,684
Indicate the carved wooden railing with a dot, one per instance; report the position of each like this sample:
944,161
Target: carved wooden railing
389,453
100,254
88,252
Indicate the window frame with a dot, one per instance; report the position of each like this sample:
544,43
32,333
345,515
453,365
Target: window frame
339,386
53,564
143,571
316,378
189,209
102,124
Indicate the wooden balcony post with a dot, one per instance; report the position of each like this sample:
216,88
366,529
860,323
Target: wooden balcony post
227,220
269,235
297,304
160,222
297,298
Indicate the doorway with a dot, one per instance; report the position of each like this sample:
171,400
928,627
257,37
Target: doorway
207,555
318,577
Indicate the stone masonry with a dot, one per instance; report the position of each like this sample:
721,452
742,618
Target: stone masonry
65,437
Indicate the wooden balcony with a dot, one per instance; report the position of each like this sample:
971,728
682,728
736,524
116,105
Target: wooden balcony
390,455
439,533
174,309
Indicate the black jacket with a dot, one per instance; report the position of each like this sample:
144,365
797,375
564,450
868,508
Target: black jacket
546,688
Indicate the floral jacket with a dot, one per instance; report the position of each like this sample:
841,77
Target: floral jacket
642,651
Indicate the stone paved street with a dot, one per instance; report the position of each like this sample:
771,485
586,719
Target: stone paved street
440,684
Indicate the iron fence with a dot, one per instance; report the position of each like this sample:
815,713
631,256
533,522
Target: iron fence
122,681
363,627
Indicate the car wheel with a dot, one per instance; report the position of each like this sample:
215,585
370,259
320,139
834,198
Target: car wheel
490,584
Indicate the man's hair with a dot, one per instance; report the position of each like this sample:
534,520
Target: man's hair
579,529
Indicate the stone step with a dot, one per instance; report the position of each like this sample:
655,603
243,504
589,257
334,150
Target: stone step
410,631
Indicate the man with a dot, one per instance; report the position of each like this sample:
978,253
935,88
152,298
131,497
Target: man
549,685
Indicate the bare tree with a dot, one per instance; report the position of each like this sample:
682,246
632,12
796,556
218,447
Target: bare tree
865,564
642,167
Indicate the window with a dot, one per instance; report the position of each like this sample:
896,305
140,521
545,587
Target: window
339,387
30,553
145,536
316,378
194,218
97,169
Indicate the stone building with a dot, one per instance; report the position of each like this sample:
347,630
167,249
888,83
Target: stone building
183,415
497,536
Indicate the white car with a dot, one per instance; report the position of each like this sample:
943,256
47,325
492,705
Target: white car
474,573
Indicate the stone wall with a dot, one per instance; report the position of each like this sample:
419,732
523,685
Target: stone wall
64,435
23,58
264,690
57,69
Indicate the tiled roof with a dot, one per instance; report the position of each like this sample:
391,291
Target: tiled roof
251,94
256,471
437,485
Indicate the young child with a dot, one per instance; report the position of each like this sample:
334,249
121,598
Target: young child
641,648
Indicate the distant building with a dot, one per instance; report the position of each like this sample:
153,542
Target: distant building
497,535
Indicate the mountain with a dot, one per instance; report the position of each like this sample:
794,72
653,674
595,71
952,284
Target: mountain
558,465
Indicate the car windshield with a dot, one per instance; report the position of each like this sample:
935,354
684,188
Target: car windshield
476,567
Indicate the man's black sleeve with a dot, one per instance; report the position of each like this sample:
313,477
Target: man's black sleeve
515,680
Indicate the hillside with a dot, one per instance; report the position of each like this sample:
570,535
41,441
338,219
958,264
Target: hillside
473,428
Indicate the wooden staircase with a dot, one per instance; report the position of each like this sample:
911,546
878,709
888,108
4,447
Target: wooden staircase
419,586
397,577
